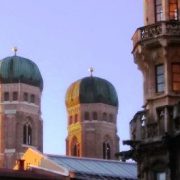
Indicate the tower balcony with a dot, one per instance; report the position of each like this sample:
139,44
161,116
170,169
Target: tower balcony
151,33
142,128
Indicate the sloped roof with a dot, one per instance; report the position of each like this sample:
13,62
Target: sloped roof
88,168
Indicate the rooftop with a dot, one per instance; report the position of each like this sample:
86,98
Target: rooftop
89,168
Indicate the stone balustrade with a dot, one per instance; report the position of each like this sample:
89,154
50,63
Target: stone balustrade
163,28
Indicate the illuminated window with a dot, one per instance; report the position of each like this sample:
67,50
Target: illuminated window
15,96
176,77
106,150
27,134
173,9
158,10
159,78
6,96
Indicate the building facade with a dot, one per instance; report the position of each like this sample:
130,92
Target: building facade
155,131
21,86
92,107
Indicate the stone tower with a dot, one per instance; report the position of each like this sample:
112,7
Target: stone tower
155,131
92,107
20,109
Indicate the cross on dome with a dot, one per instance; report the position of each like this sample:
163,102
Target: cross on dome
15,49
91,70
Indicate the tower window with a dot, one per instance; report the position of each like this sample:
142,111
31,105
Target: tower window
32,98
75,147
76,118
106,150
86,116
95,116
6,96
158,10
74,150
27,134
159,78
25,97
105,116
176,77
173,9
70,120
15,96
110,118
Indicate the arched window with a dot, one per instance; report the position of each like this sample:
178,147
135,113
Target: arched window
6,96
104,116
25,96
70,120
86,116
32,98
15,96
76,118
106,150
75,150
27,134
107,144
95,116
75,147
173,9
111,118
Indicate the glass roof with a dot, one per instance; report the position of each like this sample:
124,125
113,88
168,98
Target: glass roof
97,167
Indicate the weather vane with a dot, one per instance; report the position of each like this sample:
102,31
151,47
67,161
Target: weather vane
91,70
14,49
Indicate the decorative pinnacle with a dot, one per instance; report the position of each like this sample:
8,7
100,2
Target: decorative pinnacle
91,70
15,49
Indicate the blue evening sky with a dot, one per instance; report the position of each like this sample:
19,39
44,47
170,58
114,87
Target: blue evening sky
64,38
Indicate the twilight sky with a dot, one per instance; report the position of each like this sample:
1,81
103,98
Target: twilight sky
64,38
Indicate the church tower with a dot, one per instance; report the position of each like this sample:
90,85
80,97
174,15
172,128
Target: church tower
20,109
155,131
92,107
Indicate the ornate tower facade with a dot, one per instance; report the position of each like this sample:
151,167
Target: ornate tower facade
155,131
20,110
92,107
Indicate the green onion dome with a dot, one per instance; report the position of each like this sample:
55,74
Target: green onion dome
15,69
91,90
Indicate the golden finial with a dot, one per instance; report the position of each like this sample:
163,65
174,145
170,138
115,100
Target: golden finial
15,49
91,70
